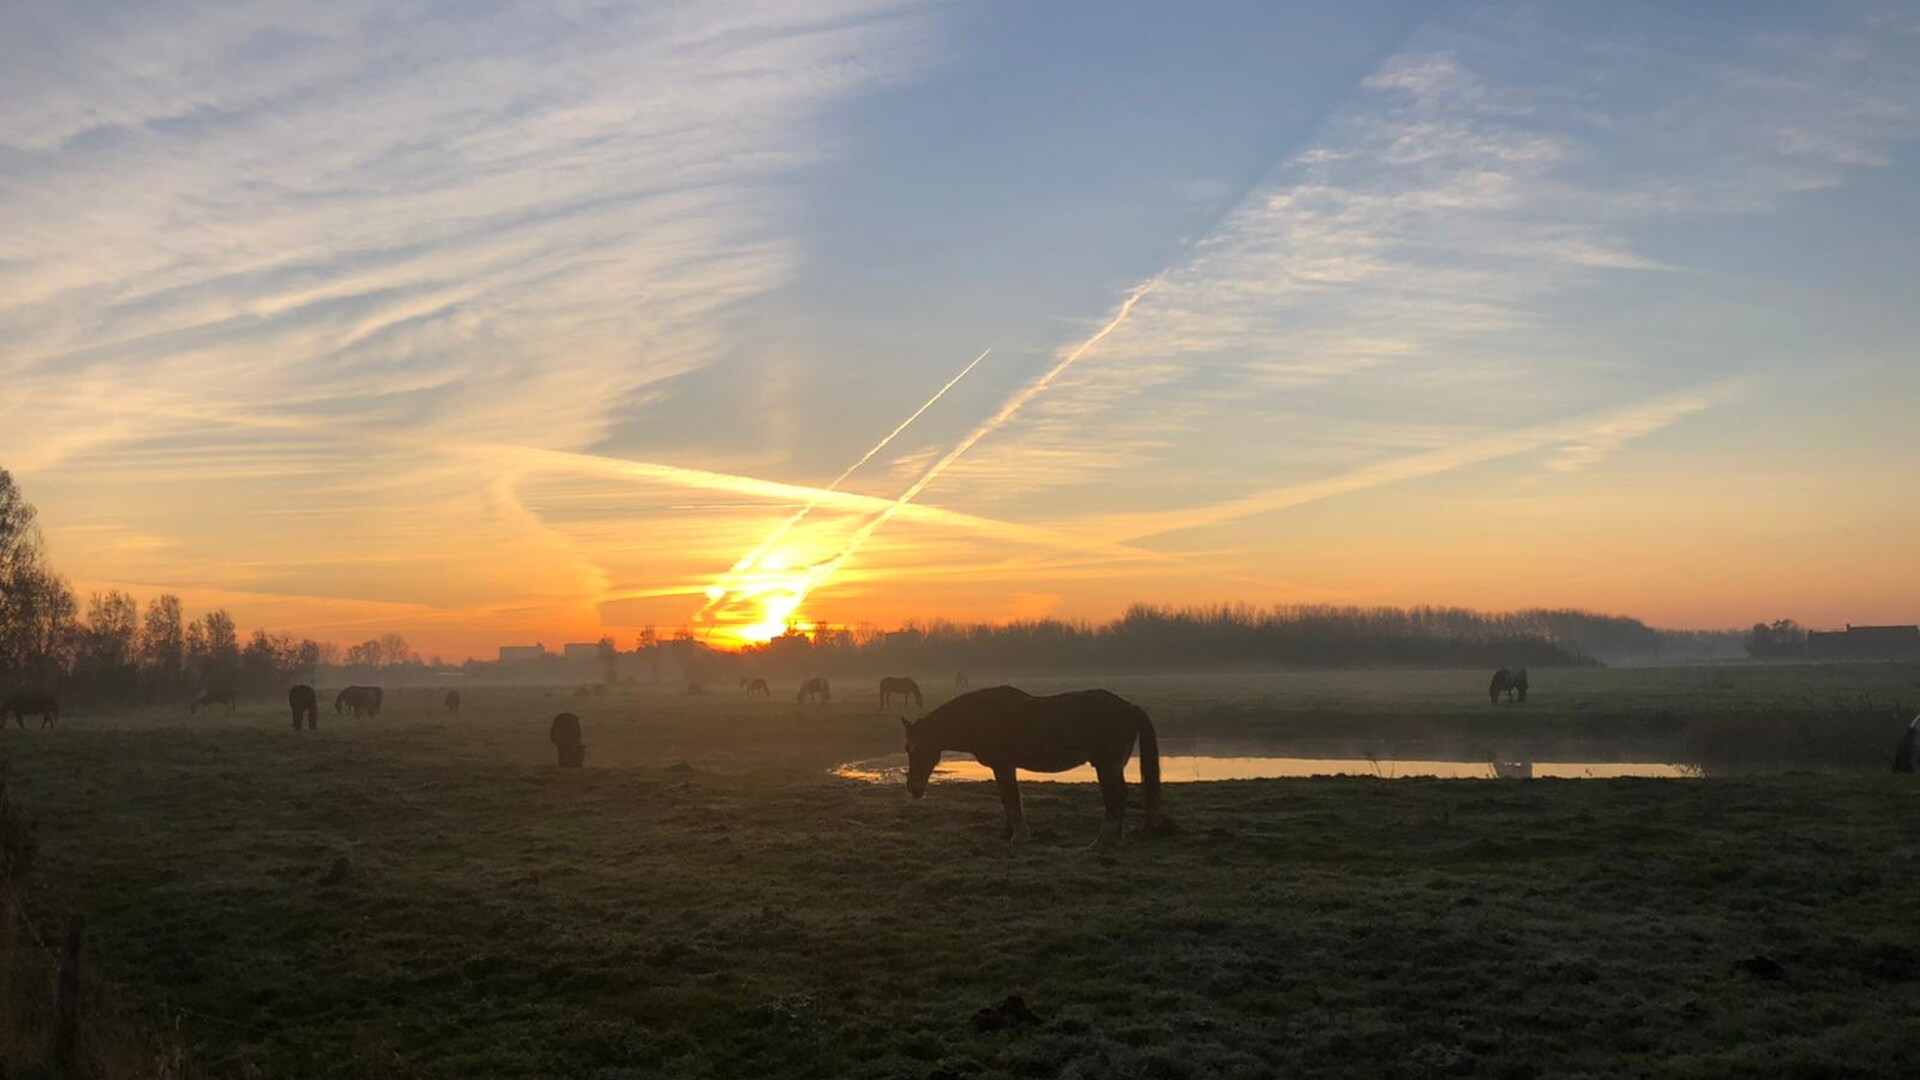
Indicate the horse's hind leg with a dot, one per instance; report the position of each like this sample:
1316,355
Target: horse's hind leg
1113,791
1016,830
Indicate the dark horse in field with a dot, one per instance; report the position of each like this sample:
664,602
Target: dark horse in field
451,702
22,703
902,687
306,707
756,686
361,699
1509,681
211,696
564,734
815,688
1007,729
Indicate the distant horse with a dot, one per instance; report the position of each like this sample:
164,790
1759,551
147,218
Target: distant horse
22,703
211,696
1007,729
960,680
306,707
1509,681
564,734
1903,755
815,688
361,699
756,686
904,688
451,702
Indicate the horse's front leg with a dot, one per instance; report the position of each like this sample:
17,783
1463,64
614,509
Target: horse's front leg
1113,791
1016,830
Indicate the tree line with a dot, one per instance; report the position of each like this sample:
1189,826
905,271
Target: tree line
1159,638
112,650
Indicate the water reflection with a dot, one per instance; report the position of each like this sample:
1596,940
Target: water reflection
1176,768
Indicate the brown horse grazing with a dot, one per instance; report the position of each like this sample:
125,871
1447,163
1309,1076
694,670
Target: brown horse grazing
361,699
815,688
1007,729
1509,681
903,687
756,686
306,707
564,734
451,702
211,696
22,703
960,680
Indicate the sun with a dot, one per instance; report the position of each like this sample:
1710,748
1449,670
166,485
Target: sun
755,603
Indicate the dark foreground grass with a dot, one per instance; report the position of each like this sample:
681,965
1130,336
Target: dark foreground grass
705,902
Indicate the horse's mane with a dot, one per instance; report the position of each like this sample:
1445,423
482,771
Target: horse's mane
959,710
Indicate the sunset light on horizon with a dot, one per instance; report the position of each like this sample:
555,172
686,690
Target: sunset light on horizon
512,325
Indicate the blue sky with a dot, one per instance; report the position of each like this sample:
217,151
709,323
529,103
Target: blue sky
474,319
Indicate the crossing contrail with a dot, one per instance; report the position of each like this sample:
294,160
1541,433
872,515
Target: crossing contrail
719,591
819,572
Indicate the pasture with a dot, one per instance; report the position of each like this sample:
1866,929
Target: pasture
705,900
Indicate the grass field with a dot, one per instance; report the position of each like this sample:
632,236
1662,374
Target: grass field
705,900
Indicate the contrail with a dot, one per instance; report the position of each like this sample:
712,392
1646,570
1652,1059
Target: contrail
819,572
719,591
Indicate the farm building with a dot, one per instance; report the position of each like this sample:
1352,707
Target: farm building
1865,643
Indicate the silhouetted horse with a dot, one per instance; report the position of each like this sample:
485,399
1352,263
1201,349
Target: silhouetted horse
1509,681
22,703
306,707
815,688
211,696
756,686
1903,754
361,699
1007,729
564,734
960,680
903,687
451,702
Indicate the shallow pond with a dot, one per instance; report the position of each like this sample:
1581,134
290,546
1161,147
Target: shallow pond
1176,768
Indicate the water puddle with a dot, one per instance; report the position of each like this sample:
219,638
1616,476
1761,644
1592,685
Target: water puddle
1176,768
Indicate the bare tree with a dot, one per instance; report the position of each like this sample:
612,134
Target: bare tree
37,624
163,645
108,655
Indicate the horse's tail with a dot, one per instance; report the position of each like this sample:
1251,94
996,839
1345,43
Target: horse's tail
1149,768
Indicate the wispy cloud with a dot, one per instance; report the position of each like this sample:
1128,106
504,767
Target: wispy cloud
498,227
1442,255
1577,442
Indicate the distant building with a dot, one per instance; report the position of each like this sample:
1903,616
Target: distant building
1865,643
581,650
522,654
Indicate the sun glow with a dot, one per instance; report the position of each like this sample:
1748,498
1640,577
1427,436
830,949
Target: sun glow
762,602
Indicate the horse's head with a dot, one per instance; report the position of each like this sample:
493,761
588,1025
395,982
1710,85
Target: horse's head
922,756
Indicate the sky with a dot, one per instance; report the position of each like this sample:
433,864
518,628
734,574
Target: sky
494,323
